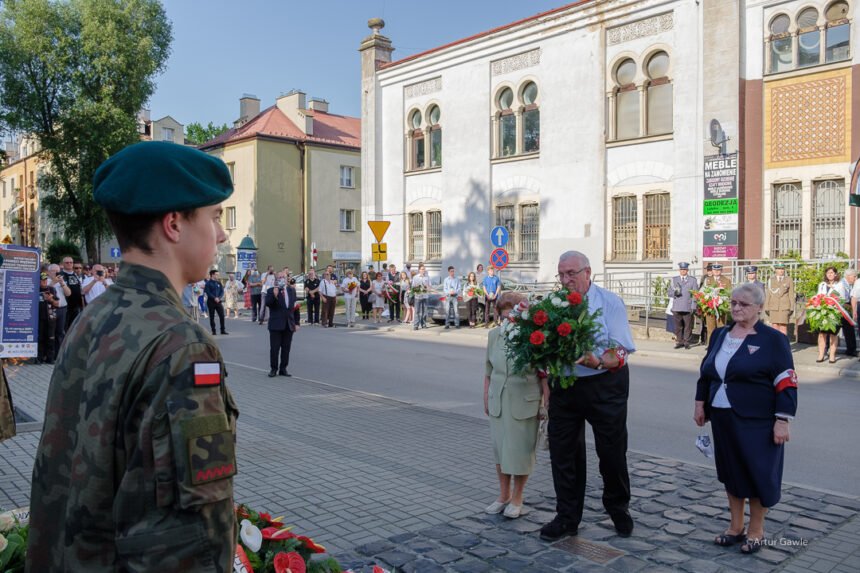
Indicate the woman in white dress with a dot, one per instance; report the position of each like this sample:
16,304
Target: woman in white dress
378,298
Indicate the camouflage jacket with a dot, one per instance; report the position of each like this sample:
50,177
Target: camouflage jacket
134,467
7,412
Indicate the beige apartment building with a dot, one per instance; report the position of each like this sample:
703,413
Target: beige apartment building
295,167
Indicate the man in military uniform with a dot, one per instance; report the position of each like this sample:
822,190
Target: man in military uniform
682,304
752,276
779,299
717,280
134,470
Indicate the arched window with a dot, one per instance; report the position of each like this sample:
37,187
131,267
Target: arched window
808,38
828,218
626,100
659,94
786,220
838,35
433,117
781,44
531,118
417,137
507,123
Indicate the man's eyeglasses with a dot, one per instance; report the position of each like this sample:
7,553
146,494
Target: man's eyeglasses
569,274
740,303
77,268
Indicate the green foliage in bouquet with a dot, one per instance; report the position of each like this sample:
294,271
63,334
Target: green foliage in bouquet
13,543
823,315
551,335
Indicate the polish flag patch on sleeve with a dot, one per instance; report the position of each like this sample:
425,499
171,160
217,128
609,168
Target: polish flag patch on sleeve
207,373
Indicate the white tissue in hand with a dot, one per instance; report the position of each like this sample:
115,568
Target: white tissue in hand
703,443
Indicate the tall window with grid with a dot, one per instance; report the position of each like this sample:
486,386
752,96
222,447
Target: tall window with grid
624,218
828,218
529,229
416,236
786,219
506,217
657,226
434,235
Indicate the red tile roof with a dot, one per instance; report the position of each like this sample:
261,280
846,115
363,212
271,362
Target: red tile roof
482,34
329,129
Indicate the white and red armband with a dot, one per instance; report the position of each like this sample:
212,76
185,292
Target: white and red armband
787,379
621,354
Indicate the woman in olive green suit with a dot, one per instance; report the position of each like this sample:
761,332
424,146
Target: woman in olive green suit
512,400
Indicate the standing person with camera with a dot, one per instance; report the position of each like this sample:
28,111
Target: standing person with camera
682,305
61,292
70,273
96,284
48,304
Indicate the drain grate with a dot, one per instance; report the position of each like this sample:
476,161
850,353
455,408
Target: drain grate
595,552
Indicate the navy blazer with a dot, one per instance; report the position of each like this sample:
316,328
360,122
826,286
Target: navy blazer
213,289
760,377
283,312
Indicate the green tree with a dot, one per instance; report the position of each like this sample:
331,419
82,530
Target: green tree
75,73
61,248
198,134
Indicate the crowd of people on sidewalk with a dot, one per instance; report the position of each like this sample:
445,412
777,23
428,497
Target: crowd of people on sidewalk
779,304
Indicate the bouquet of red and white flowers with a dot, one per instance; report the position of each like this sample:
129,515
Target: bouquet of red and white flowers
473,290
391,292
712,301
824,313
551,335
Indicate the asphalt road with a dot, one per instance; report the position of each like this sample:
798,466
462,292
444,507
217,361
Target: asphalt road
444,370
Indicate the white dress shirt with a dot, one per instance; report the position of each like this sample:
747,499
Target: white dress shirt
613,329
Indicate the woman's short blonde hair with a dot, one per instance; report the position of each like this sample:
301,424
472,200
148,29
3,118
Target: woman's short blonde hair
509,300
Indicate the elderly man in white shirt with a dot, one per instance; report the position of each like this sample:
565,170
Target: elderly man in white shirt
95,284
598,397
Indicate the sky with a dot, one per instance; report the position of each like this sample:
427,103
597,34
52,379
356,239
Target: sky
223,49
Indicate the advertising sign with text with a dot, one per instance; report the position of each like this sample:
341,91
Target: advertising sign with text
19,301
720,207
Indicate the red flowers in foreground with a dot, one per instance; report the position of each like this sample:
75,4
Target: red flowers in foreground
540,318
574,298
290,562
270,533
564,329
537,338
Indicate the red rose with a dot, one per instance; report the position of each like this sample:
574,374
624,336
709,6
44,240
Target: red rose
563,329
290,562
574,298
537,338
540,318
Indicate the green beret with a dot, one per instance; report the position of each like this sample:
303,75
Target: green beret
155,177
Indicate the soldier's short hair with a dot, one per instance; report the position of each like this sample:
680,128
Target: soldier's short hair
134,231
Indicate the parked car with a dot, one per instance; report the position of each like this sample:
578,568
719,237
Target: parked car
300,286
437,307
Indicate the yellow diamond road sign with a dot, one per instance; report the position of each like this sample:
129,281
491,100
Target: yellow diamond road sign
378,228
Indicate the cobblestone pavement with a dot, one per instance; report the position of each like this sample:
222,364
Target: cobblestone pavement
376,480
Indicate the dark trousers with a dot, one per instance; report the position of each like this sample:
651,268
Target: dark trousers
472,306
393,310
489,310
213,308
482,311
256,301
600,400
45,346
683,327
280,342
850,334
329,303
72,312
60,329
314,309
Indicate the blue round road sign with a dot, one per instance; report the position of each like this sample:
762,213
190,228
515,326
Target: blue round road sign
499,258
499,236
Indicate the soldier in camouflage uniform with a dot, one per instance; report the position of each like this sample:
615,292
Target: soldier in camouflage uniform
134,471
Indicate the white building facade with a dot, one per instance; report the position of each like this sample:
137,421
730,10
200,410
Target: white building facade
580,128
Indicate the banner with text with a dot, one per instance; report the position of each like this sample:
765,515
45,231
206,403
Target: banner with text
19,301
720,208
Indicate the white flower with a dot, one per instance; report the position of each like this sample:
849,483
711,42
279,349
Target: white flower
565,304
7,522
555,301
251,535
3,543
525,315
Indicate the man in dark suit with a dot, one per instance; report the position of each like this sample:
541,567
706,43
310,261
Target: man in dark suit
215,300
284,320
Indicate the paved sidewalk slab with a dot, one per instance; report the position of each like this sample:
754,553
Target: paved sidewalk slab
377,480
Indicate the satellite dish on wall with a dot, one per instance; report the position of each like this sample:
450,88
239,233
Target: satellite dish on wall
718,136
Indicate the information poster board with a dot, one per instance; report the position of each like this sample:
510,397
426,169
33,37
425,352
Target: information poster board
19,301
720,233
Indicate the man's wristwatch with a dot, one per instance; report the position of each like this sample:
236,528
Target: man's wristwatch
782,419
599,364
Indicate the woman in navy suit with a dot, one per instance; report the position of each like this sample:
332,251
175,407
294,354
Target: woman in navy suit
748,389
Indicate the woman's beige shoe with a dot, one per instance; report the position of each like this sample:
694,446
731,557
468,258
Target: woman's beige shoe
514,511
496,507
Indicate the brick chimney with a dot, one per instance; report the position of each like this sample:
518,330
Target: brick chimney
249,108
